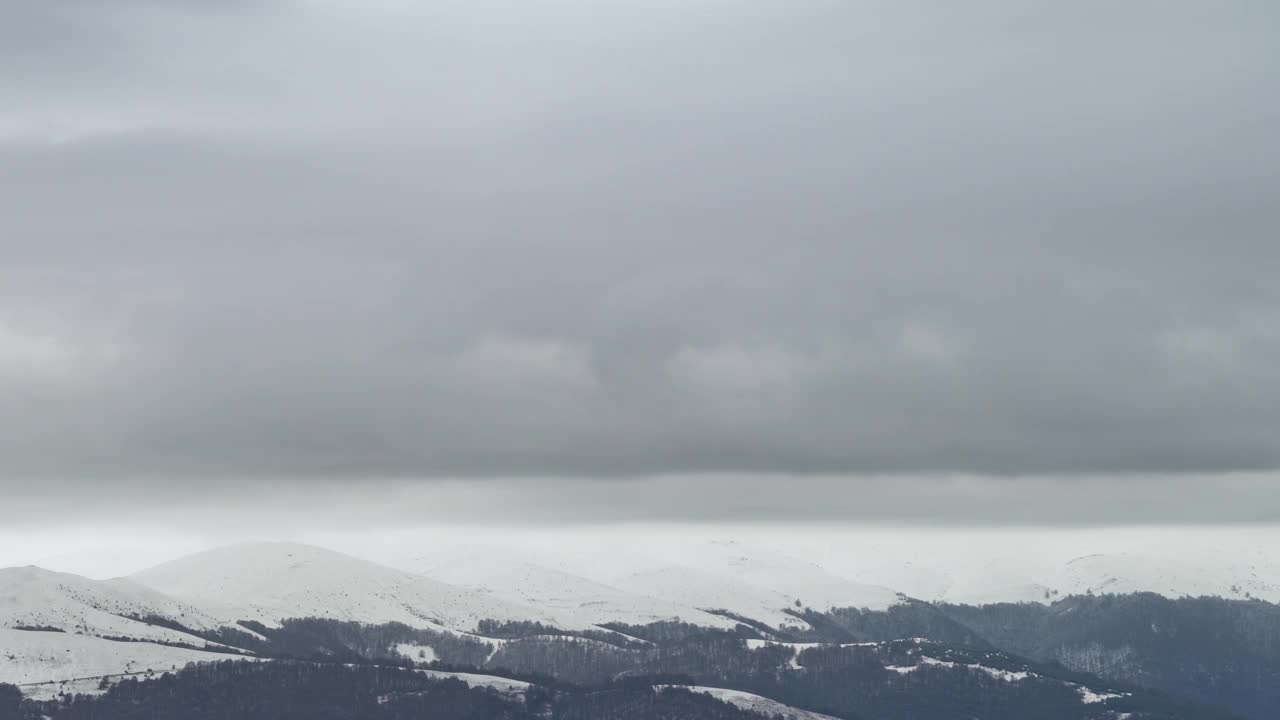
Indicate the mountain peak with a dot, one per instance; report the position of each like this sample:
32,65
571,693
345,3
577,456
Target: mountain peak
272,581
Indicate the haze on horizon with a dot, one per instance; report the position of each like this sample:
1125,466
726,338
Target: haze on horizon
285,266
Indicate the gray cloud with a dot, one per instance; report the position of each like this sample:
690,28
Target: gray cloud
336,239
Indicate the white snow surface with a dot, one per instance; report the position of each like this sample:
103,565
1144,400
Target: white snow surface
821,565
39,662
1194,574
756,583
753,703
33,597
507,686
965,565
640,582
980,566
580,600
416,653
269,582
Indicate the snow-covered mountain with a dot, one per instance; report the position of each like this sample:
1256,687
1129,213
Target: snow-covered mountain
803,583
763,577
1007,565
45,664
63,633
580,600
31,597
1221,575
1015,579
757,583
269,582
634,587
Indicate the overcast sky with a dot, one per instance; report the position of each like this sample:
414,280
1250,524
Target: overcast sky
921,261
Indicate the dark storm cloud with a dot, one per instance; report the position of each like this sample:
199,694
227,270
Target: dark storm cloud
341,239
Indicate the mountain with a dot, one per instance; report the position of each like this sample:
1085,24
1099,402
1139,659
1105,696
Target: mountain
1197,575
1001,571
750,581
868,569
34,598
580,600
269,582
662,578
761,629
45,664
718,591
62,633
746,591
1213,650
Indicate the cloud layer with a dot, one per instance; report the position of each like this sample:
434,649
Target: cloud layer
321,238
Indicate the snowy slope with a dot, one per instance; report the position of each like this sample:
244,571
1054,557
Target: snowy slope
579,600
268,582
978,566
813,585
506,686
1169,574
756,583
40,662
714,591
33,597
825,567
753,703
1173,577
621,574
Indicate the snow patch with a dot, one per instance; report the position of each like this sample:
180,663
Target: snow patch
997,673
506,686
416,653
45,664
577,601
1089,697
751,702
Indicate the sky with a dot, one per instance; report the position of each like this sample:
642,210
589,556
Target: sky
386,262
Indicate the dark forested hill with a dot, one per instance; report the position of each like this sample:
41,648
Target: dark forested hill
571,678
310,691
1219,652
1081,658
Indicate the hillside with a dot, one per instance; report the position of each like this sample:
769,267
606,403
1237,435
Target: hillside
31,597
268,582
